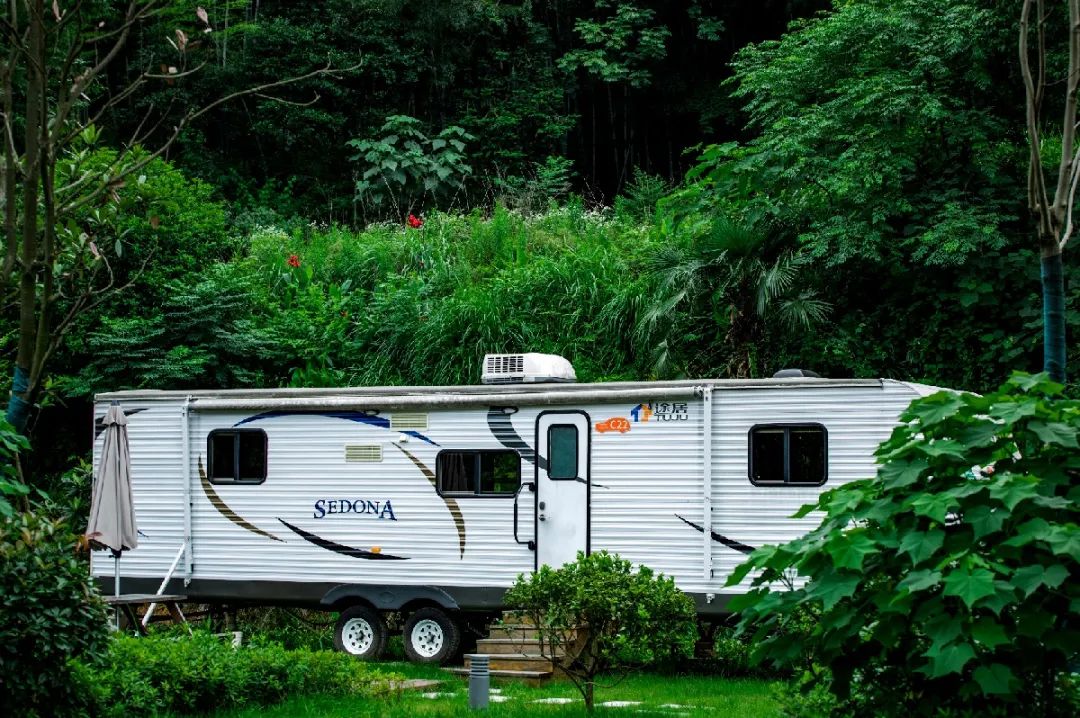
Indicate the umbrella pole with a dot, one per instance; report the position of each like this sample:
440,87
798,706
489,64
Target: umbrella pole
116,584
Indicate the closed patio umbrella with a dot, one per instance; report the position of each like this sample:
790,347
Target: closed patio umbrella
112,512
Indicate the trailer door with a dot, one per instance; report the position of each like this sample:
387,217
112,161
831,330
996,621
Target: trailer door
562,486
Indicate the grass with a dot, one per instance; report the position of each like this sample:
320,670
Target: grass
695,696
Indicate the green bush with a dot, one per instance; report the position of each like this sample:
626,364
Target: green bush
50,612
201,673
603,613
950,585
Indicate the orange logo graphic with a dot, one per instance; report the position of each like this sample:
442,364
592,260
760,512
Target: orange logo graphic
615,423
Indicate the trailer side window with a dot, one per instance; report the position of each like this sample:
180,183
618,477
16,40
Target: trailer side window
478,473
237,456
788,454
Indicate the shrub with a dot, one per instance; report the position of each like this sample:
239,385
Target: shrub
942,589
603,613
49,612
197,674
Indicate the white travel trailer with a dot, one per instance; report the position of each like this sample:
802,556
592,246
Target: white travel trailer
428,501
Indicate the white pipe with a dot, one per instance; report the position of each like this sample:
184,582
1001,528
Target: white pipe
434,401
164,583
706,474
185,437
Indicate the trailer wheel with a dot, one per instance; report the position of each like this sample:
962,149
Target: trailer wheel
361,632
431,636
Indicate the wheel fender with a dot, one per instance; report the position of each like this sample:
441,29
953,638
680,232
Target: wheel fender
387,598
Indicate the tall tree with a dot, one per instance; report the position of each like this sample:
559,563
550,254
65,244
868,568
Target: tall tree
1051,199
59,206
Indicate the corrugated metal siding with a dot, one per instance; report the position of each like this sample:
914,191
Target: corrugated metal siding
306,464
157,488
857,420
642,481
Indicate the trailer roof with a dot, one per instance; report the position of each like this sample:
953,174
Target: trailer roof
477,393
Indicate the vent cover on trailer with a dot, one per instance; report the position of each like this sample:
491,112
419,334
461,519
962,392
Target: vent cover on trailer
363,454
526,368
408,420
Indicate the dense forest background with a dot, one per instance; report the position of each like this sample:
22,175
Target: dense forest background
652,189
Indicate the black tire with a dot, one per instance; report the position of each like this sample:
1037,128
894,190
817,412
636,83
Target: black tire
431,636
361,631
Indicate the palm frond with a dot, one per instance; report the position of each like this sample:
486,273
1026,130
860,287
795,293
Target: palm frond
804,310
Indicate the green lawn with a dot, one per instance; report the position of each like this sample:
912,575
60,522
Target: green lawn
694,696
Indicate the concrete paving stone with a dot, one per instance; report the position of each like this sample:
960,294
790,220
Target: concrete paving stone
560,701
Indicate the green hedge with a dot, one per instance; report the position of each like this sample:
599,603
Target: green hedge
198,674
49,613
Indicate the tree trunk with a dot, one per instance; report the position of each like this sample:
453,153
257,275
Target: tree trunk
1053,292
18,410
589,691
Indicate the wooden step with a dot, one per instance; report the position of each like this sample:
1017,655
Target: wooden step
515,631
532,678
499,646
517,662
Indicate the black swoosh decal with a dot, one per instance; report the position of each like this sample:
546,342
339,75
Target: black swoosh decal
498,420
99,424
451,504
730,543
340,548
224,510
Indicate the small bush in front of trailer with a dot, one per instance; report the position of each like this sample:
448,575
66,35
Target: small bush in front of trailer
600,613
950,584
200,673
50,612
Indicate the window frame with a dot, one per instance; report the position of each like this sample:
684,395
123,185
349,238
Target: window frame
236,432
787,429
577,453
476,484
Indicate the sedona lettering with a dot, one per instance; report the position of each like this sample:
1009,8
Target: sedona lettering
363,507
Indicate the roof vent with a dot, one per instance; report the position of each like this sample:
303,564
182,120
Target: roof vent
796,373
527,368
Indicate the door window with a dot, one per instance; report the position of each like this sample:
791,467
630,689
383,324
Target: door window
562,451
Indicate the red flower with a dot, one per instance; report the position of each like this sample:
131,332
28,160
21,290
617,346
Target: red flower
415,222
293,261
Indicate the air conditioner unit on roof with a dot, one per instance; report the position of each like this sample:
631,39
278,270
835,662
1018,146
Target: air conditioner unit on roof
528,368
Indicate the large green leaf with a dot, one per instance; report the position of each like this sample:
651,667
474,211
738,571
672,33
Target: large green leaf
1055,432
832,588
984,520
921,545
1029,578
969,585
989,633
920,580
937,407
1012,489
900,473
950,659
1065,541
851,549
995,679
934,506
1037,529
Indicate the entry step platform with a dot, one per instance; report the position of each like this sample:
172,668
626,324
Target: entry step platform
529,677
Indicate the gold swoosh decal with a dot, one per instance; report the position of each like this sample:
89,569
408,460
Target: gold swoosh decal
224,509
455,510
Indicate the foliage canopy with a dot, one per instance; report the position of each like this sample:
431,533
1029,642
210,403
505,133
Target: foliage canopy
938,586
